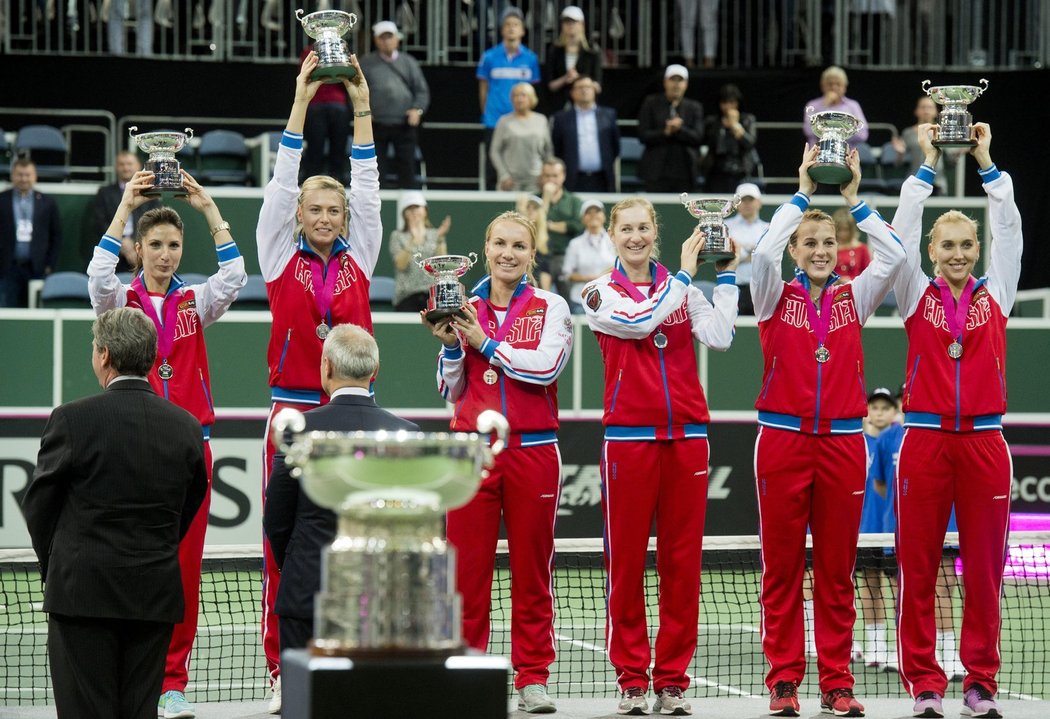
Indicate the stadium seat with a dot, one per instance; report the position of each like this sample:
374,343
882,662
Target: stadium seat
46,146
5,156
253,295
222,158
871,180
381,293
895,169
631,149
65,290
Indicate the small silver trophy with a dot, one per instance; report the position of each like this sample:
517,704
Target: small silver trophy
710,213
388,583
161,147
834,130
327,28
956,123
447,295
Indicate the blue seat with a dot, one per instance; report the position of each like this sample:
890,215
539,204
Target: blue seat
65,290
5,155
47,148
871,179
381,293
253,295
895,168
631,149
222,158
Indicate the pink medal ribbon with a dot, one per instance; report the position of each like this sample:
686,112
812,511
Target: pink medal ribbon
165,329
659,275
324,284
819,323
517,304
955,318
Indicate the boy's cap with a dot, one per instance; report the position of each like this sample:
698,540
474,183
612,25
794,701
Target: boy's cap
880,393
511,12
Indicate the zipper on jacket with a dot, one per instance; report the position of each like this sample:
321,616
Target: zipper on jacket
284,350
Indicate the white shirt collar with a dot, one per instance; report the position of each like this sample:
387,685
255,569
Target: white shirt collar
351,391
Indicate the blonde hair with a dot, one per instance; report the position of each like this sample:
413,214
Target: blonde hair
953,216
842,217
645,205
530,227
834,71
529,90
811,215
322,182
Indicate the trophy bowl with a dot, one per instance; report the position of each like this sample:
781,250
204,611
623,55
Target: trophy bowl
833,129
710,213
161,147
955,124
447,294
327,28
388,583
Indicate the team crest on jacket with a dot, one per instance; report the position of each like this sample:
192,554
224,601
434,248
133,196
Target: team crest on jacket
594,300
979,313
187,304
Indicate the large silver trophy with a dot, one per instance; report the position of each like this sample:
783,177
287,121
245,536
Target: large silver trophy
161,147
834,129
447,295
327,28
388,581
710,214
956,123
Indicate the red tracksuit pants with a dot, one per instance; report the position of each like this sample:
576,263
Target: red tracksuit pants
191,550
935,469
815,480
523,487
665,479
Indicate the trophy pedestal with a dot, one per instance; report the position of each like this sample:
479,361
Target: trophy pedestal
160,192
333,73
437,315
830,173
949,144
714,255
315,687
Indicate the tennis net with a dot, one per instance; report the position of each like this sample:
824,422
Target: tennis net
228,664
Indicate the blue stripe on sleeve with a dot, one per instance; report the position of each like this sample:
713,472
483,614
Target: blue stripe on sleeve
861,211
684,277
726,277
362,152
227,252
926,174
488,348
292,140
110,244
800,201
452,353
989,175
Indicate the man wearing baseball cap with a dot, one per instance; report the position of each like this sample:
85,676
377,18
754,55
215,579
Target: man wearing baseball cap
746,227
400,96
671,126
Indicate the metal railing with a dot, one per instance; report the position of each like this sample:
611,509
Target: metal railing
738,34
92,165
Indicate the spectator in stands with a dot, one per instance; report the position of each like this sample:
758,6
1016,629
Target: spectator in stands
402,96
563,217
853,255
570,57
520,142
909,151
833,84
327,121
589,256
671,126
118,10
30,235
730,140
107,199
501,68
706,12
535,208
415,236
586,137
746,228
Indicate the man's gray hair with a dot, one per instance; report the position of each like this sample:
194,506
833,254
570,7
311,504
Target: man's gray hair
130,337
352,352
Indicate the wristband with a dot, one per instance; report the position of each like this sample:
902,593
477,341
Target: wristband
220,227
363,113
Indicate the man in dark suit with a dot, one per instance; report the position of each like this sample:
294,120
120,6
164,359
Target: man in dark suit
587,139
671,126
297,528
30,235
107,200
118,480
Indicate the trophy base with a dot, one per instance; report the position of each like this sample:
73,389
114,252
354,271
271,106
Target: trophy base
437,315
714,256
383,653
949,144
830,173
160,191
333,73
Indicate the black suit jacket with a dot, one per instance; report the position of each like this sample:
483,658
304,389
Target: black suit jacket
107,200
118,480
588,62
47,233
670,156
565,141
297,528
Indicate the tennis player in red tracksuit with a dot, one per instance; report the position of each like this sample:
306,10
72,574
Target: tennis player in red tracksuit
505,353
655,453
810,455
953,449
180,372
316,277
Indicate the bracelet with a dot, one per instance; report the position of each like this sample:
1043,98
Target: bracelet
363,113
123,221
224,225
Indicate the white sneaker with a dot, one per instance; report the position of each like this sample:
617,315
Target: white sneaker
275,698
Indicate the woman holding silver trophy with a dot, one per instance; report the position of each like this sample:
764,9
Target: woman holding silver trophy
655,453
504,350
810,455
318,246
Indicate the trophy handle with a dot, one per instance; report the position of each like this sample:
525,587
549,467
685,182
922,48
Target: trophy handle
984,89
810,109
418,257
133,129
473,257
353,20
287,420
489,421
684,197
299,14
189,133
926,86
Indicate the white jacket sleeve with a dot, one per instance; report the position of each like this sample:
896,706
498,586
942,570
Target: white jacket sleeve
714,325
273,234
216,295
767,279
1004,263
366,227
613,314
911,281
450,377
104,289
541,365
873,284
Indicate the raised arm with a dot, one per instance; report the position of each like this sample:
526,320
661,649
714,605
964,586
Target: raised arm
104,289
1004,262
911,281
715,325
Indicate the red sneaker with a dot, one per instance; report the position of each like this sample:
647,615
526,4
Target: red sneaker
841,703
783,700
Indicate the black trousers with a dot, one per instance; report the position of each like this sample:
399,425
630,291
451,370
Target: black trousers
106,668
294,632
404,138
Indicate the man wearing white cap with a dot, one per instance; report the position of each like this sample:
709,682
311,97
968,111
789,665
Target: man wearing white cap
589,256
671,126
400,96
746,227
